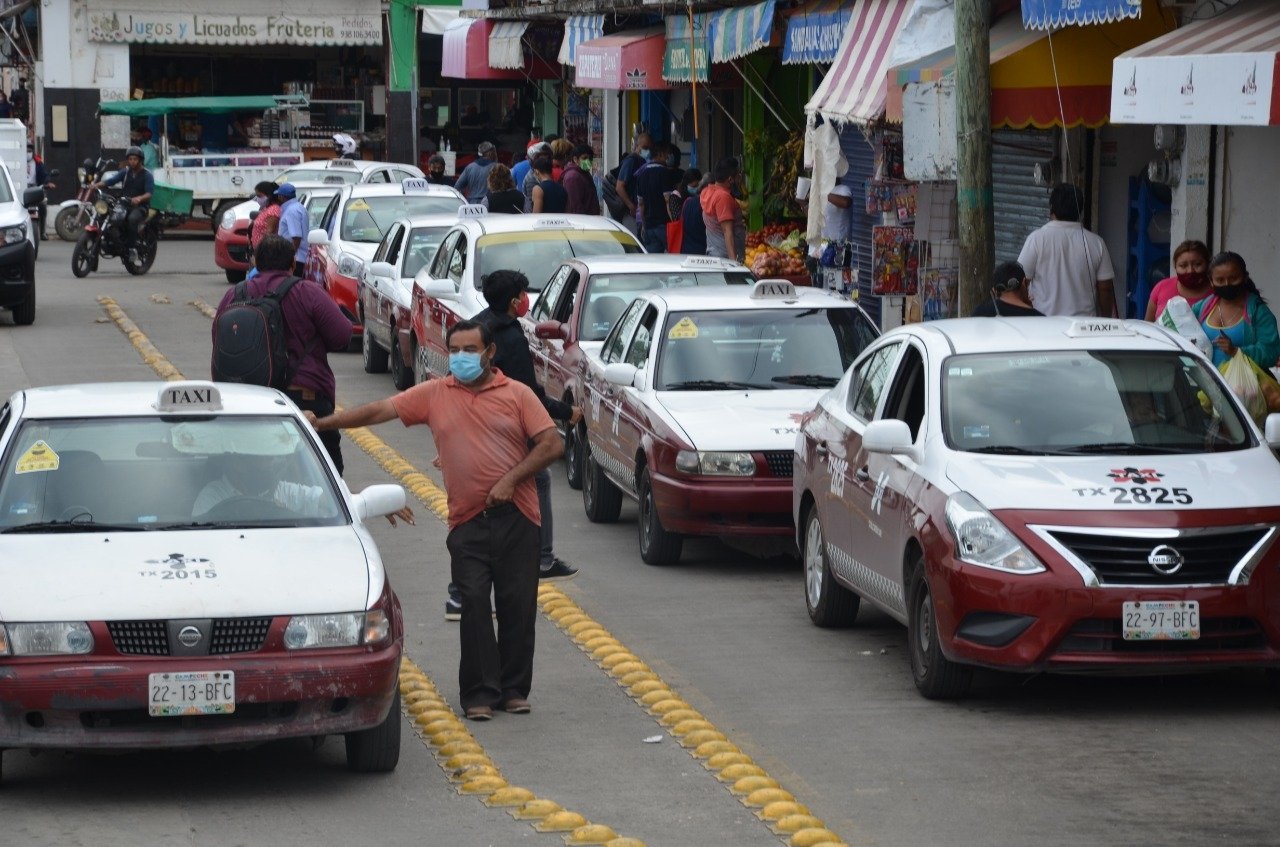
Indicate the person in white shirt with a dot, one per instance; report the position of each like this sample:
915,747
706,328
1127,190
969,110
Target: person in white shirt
252,477
1068,267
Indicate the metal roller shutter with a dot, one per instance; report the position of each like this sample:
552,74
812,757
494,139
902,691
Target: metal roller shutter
862,167
1020,205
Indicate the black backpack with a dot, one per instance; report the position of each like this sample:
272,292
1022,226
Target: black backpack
609,191
249,342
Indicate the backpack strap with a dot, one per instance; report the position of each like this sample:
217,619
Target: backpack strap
241,292
282,289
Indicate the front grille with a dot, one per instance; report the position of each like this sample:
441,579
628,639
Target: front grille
780,462
239,254
1104,635
1208,558
139,638
238,635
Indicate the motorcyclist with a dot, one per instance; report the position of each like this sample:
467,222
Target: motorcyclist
344,146
137,187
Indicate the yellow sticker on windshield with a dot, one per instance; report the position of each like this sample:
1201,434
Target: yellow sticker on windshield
357,206
39,457
684,328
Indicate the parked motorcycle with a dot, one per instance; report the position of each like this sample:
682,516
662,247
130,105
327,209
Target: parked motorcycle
106,234
74,214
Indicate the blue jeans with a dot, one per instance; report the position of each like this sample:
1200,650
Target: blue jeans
655,239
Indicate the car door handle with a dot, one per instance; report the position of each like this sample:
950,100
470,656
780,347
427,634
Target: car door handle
862,474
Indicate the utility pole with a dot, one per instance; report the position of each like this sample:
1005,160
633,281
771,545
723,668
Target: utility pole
973,152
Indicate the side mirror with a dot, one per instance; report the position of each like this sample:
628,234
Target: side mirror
1271,430
382,269
440,289
547,330
620,373
378,501
892,437
33,197
317,237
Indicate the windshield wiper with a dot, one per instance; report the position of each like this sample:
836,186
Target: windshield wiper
713,385
1012,450
1125,448
76,526
809,380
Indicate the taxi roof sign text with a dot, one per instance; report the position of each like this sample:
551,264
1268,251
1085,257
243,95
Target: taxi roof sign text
1098,328
414,185
472,210
188,397
773,289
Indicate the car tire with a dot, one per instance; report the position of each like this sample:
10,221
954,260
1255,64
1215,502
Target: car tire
657,545
829,603
82,257
601,499
234,276
402,375
574,447
375,358
936,677
377,749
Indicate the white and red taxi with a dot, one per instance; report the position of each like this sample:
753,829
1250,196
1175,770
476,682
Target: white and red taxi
235,596
581,303
353,227
1042,494
693,404
448,289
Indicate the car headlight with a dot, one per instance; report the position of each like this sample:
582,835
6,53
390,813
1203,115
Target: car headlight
15,234
349,265
228,221
45,639
716,463
337,630
982,540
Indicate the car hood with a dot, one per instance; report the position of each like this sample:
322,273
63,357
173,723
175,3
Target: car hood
739,420
12,214
1107,482
149,575
359,249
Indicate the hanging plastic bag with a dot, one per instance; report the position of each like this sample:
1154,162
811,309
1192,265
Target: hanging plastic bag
1239,373
1178,317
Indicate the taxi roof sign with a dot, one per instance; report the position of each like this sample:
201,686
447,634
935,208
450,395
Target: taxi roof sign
1098,328
472,210
415,185
188,397
341,163
704,262
556,223
773,289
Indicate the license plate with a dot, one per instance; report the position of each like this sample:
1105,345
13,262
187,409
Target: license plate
1161,620
191,693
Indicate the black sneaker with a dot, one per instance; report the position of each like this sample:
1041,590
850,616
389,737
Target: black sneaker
452,610
559,569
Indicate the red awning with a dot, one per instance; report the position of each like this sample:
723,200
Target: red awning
465,54
627,61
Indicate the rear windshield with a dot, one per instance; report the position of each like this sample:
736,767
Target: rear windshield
538,254
366,219
609,294
329,176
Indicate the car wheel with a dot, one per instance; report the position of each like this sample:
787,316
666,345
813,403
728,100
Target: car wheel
82,257
935,676
830,604
234,276
375,358
420,372
601,499
402,375
574,441
657,545
24,313
377,749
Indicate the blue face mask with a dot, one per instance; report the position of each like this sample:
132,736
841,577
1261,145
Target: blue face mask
466,367
645,154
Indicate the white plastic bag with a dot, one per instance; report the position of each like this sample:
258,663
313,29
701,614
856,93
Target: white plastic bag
1243,380
1178,317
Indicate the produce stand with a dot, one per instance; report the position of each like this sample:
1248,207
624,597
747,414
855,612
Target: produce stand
776,251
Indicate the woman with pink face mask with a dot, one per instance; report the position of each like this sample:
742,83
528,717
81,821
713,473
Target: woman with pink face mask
1190,278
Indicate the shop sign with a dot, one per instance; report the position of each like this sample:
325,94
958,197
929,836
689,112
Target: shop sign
174,27
815,38
1052,14
1232,89
685,52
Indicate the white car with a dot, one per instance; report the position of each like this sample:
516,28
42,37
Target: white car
693,402
18,248
234,596
448,289
386,293
1040,494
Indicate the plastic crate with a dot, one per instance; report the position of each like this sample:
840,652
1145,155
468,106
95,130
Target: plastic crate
171,198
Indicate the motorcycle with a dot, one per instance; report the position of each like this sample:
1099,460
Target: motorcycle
73,214
106,234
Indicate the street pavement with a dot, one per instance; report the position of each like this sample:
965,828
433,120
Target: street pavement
831,715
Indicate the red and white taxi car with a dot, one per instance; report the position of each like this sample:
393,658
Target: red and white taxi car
1042,494
448,289
231,235
234,596
693,405
581,303
353,227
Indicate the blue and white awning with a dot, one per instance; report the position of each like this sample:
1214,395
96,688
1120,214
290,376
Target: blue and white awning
577,29
506,48
1052,14
740,31
814,32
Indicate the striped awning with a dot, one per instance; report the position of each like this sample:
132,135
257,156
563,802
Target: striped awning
436,19
814,32
854,89
1054,14
465,52
738,32
1224,70
577,29
506,51
687,48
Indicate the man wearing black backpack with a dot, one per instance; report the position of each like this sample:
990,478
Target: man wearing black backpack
246,328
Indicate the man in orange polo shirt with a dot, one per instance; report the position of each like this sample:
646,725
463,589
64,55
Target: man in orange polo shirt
492,435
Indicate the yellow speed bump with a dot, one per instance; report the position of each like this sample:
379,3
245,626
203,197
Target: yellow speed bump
453,748
472,771
561,821
486,784
647,686
764,796
443,738
720,761
604,651
614,659
580,627
813,837
625,842
736,771
592,833
691,725
509,795
464,759
423,694
536,810
791,824
707,749
629,679
668,704
593,644
436,725
699,737
779,809
745,785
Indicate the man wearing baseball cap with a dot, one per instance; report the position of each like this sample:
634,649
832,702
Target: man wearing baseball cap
473,182
522,167
294,222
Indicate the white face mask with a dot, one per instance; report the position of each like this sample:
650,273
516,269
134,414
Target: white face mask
260,200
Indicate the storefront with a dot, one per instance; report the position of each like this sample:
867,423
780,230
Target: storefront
590,115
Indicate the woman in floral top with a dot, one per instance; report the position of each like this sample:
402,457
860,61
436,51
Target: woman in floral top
268,219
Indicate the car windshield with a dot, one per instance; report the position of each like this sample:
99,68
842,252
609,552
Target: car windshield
423,242
760,348
329,176
537,254
316,202
1088,402
608,295
366,218
72,475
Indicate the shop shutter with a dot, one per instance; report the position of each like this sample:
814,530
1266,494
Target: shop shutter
1020,205
862,167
